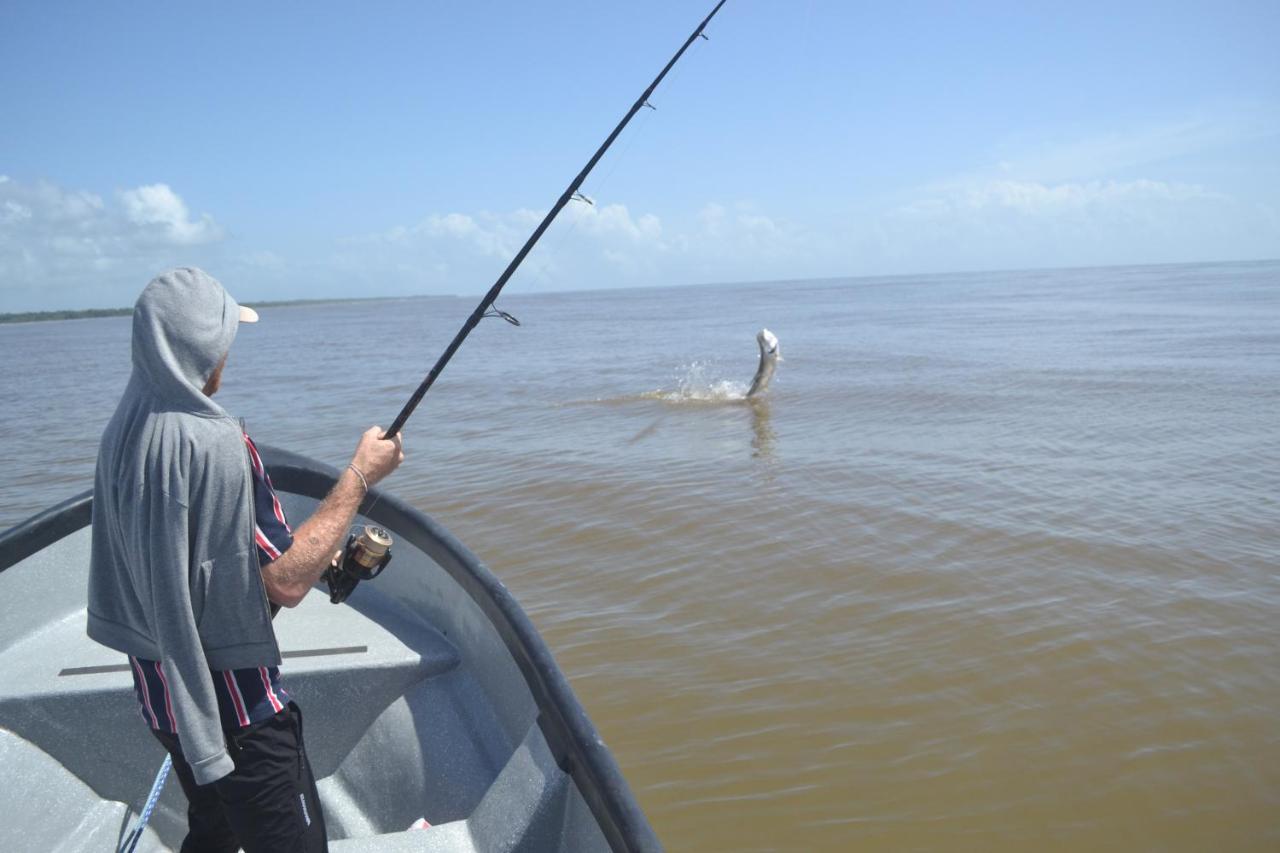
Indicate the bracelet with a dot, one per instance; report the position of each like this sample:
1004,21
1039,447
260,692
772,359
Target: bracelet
359,474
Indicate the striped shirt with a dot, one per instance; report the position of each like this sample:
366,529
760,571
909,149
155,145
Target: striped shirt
245,696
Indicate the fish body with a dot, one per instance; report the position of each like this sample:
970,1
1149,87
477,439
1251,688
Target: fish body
770,355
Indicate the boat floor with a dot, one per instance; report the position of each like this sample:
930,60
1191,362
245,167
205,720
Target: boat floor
398,728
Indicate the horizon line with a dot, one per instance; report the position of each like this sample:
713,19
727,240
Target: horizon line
55,314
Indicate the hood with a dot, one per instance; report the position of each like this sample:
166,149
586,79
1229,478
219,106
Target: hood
183,324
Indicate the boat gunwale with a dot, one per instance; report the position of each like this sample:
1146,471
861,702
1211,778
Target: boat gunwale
571,736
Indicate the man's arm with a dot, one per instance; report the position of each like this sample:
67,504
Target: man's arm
289,577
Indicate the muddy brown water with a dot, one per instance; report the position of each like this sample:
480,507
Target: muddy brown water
995,565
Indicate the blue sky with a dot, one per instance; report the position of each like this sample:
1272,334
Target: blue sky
353,149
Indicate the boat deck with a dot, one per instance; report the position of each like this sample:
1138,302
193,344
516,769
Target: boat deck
408,705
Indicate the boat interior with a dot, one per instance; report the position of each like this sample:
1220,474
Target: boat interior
424,700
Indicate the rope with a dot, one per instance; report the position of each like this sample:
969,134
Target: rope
131,841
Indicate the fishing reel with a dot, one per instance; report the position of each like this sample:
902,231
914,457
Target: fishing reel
363,558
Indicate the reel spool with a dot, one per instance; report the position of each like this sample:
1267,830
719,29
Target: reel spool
363,558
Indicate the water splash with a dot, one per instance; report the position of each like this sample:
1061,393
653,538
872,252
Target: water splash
694,384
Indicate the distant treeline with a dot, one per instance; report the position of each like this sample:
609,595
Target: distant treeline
35,316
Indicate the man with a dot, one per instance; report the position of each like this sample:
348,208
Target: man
190,552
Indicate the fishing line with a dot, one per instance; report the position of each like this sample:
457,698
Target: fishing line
598,189
627,145
568,195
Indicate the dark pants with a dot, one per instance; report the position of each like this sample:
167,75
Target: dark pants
268,803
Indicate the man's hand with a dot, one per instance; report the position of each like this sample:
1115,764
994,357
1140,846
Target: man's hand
288,578
375,456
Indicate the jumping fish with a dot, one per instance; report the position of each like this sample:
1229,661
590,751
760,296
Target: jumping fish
770,355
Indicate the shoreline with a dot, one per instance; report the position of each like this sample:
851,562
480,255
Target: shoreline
95,313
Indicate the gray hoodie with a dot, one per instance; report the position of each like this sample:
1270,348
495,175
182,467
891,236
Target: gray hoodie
173,574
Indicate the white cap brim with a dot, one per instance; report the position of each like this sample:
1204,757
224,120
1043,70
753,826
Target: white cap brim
248,315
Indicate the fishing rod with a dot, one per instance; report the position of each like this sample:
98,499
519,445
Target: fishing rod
571,193
367,551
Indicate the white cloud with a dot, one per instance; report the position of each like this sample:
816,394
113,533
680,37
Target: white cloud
969,223
63,247
1101,200
1119,195
613,221
1122,150
157,205
1001,222
712,217
1126,194
589,245
451,249
13,212
1030,198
